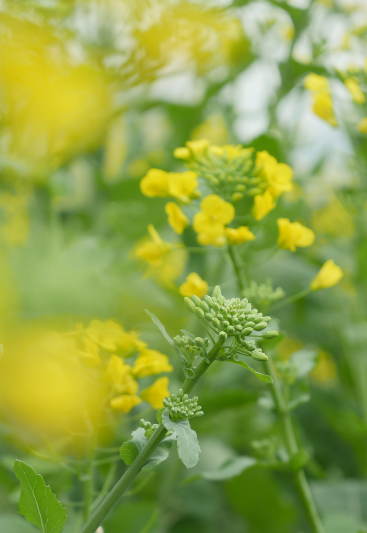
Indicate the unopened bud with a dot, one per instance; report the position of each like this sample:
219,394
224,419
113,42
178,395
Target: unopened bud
199,342
223,335
200,313
216,322
189,305
180,393
230,330
209,317
259,356
260,326
270,334
236,196
246,331
204,306
217,292
209,300
249,324
199,413
196,300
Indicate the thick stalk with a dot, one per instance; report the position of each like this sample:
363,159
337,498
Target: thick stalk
289,436
125,481
291,444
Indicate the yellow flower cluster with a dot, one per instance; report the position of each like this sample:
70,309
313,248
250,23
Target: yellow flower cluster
321,96
209,222
72,384
179,185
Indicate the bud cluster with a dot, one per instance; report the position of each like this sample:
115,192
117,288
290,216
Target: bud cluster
150,429
263,294
181,406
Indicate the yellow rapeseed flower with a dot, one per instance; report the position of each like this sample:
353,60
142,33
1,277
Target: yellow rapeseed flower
112,336
329,275
293,234
119,375
153,250
355,90
279,176
239,235
155,183
194,285
180,185
321,97
176,217
156,393
314,82
325,370
263,204
90,353
210,221
362,125
125,403
150,362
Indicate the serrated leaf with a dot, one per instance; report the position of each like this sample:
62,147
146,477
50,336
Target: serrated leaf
37,503
231,468
187,441
262,377
130,449
162,329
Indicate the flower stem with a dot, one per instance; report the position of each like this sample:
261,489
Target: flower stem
291,444
290,300
125,481
240,273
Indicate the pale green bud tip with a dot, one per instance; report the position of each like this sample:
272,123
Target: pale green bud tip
223,335
217,292
259,356
199,413
260,326
199,312
204,306
189,304
199,342
196,300
270,334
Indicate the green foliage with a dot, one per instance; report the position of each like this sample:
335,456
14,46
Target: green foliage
261,377
37,503
187,441
130,450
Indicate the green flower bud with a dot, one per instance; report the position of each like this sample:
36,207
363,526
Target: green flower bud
223,335
196,300
180,393
270,334
216,306
199,413
230,330
189,304
209,317
200,313
266,318
259,356
216,322
195,399
258,319
199,342
204,306
261,326
246,331
249,324
226,323
177,340
239,327
217,292
254,191
208,300
185,397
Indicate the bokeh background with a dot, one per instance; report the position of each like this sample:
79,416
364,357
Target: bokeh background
93,94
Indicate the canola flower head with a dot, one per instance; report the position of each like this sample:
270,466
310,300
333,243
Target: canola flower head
194,285
263,204
176,218
214,214
239,235
329,275
150,362
182,407
293,235
179,185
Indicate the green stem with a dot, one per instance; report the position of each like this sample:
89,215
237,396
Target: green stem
125,481
290,300
88,490
292,447
240,273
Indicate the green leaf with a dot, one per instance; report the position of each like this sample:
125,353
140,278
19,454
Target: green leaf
262,377
187,441
160,454
130,449
231,468
162,329
37,503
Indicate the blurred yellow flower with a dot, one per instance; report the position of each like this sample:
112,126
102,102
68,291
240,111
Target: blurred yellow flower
325,370
210,221
321,97
333,219
112,337
125,403
156,393
150,362
279,176
155,183
153,250
355,90
89,353
198,147
176,218
329,275
263,204
362,125
293,234
239,235
53,109
194,285
214,129
14,228
119,375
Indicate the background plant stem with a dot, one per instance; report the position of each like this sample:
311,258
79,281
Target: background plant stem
125,481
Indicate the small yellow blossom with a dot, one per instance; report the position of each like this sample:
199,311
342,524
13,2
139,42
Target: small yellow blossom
183,185
105,334
150,362
182,153
153,250
194,285
155,183
214,214
176,217
198,148
263,204
292,234
90,353
325,369
231,151
278,175
355,90
156,393
125,403
362,125
329,275
314,82
210,240
239,235
323,107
